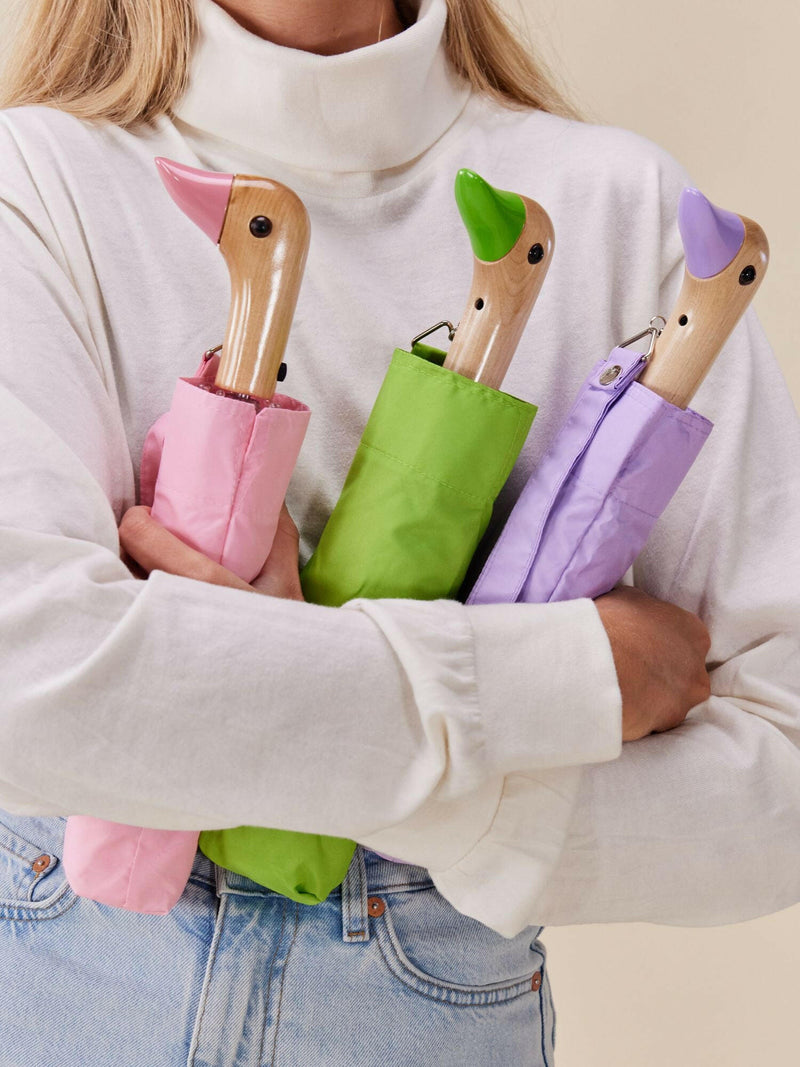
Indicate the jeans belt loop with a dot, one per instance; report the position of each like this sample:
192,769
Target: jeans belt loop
355,924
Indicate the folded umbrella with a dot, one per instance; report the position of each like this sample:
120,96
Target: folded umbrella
437,448
629,439
215,469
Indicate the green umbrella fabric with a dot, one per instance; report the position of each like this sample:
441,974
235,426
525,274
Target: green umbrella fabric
435,452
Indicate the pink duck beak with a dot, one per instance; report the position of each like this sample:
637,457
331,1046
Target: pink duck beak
201,194
711,236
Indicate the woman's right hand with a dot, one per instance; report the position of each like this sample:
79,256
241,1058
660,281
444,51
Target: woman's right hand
147,546
660,657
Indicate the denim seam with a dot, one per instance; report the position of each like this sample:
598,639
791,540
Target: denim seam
204,992
11,841
353,895
25,859
470,1000
15,914
37,911
552,1017
273,1061
198,879
541,1021
269,981
403,887
450,992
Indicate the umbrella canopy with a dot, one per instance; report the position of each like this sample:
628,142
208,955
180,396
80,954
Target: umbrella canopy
626,445
215,469
436,450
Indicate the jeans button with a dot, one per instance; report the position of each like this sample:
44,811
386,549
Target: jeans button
41,863
536,982
376,906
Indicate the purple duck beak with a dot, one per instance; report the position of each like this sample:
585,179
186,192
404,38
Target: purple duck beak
202,195
711,236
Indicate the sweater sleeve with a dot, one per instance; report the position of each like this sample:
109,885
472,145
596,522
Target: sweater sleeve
169,703
697,826
700,826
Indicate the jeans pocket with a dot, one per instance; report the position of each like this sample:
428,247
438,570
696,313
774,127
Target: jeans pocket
446,956
32,880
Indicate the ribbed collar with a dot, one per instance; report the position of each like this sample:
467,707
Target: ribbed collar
366,110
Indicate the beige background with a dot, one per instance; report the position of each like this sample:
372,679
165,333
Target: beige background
716,83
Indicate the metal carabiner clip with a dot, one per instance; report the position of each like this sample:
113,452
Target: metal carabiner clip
654,332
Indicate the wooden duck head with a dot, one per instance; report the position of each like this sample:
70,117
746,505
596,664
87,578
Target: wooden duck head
512,242
263,231
726,259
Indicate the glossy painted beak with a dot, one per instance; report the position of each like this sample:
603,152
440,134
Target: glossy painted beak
711,236
202,195
494,218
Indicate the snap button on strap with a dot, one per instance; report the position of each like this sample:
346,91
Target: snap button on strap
376,906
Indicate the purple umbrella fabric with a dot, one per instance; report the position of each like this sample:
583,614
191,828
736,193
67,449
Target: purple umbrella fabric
588,509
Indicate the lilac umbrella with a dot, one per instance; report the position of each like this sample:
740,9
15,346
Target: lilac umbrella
215,469
625,446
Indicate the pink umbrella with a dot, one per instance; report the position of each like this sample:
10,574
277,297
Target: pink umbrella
215,469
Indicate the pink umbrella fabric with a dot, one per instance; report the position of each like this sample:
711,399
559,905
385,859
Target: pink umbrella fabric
215,470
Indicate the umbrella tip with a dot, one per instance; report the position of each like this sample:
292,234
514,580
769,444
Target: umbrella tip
711,236
201,194
493,217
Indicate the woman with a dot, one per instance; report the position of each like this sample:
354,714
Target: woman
449,735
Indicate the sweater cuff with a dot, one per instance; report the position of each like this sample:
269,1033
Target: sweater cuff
547,686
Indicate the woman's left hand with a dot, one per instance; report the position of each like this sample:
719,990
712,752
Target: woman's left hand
153,547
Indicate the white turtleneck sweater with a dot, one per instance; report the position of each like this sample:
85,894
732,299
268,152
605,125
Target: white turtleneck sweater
481,742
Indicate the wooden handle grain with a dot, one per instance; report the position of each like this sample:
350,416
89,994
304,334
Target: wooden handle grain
706,312
500,302
265,273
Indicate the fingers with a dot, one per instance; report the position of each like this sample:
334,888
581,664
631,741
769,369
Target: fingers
152,547
155,548
280,574
660,653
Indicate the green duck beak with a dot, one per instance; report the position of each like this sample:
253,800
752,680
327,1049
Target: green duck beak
494,219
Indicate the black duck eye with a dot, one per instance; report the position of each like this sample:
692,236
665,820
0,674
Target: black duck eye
261,226
535,253
748,275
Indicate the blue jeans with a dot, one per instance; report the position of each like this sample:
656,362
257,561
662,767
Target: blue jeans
385,973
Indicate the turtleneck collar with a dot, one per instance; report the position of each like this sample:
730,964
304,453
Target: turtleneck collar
367,110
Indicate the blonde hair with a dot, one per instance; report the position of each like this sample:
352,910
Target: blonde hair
127,61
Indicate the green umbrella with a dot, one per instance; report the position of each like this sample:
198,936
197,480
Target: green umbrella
436,450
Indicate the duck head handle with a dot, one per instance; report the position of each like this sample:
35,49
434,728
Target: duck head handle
726,259
512,241
263,232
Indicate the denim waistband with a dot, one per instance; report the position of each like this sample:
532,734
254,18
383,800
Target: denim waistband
378,873
368,875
